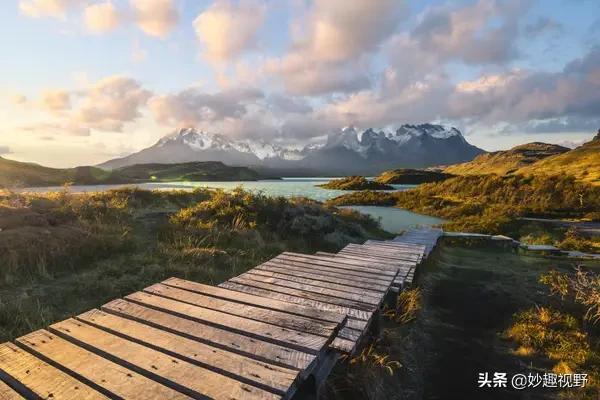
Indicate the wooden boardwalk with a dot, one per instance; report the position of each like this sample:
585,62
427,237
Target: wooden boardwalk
260,335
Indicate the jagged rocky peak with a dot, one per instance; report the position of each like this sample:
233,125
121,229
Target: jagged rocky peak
436,131
346,150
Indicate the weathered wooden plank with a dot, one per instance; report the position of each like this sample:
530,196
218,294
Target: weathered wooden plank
350,334
294,296
235,342
367,301
343,345
379,269
395,265
357,324
315,282
416,248
7,393
118,381
410,246
332,262
270,377
278,318
382,255
176,373
39,378
401,249
259,330
374,264
272,304
379,251
324,277
365,260
371,275
395,247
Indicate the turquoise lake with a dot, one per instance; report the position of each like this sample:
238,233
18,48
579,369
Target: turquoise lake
392,219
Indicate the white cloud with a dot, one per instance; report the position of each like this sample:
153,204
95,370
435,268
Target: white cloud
56,100
484,32
106,105
227,29
111,102
47,8
47,130
330,44
101,17
339,30
4,150
192,107
155,17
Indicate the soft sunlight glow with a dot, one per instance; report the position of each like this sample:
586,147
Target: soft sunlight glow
503,72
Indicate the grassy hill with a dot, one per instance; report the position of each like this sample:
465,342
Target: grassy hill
20,174
15,173
408,176
190,171
582,162
507,162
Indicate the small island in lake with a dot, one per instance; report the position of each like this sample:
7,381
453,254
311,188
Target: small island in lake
355,183
408,176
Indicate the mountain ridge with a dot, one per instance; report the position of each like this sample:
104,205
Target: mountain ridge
346,151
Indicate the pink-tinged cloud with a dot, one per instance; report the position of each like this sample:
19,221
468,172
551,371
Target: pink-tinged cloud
155,17
228,29
101,17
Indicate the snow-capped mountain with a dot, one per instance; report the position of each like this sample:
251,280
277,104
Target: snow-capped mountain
347,151
200,140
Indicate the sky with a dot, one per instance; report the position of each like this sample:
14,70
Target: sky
84,81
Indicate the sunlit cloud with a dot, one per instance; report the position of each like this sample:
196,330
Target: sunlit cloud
102,17
56,100
227,29
155,17
47,8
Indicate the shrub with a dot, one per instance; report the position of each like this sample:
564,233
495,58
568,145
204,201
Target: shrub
581,287
573,241
551,333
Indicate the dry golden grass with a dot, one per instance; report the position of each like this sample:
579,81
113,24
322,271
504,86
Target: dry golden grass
64,253
407,306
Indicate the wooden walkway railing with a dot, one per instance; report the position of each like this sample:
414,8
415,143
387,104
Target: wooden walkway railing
260,335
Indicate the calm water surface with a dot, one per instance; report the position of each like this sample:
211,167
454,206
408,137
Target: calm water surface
392,219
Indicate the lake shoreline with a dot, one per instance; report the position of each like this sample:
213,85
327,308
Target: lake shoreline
392,219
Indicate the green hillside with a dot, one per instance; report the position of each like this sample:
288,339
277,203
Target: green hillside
509,161
21,174
15,173
191,171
